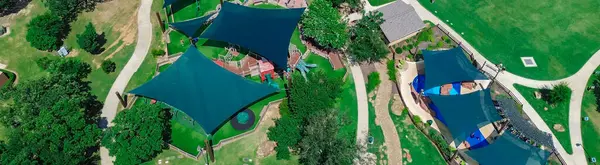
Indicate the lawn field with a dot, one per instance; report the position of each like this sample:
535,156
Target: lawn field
379,2
422,150
558,114
561,34
590,130
114,19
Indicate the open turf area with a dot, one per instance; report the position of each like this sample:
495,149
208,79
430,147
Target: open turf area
422,151
558,114
379,2
590,130
117,23
561,35
323,63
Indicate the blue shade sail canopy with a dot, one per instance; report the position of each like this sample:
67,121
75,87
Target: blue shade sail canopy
203,90
448,66
508,149
266,32
191,27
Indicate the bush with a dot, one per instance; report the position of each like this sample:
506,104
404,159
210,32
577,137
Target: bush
373,81
44,62
282,152
88,39
45,32
440,142
158,52
5,5
398,50
558,94
108,66
391,66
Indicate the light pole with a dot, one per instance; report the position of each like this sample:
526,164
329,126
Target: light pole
500,69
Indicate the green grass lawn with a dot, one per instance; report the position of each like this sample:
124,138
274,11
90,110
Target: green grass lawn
323,64
20,56
422,150
558,34
163,67
376,132
590,130
554,115
267,6
379,2
188,9
173,157
348,106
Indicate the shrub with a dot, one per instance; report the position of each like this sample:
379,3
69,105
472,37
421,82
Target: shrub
158,52
44,62
108,66
440,141
88,39
391,66
398,50
45,32
373,81
282,152
558,94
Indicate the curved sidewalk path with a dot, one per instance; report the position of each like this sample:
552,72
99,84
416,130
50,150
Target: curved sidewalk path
141,50
577,82
362,128
383,118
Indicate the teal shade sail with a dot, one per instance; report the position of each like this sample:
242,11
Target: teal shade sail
464,114
191,28
448,66
266,32
508,149
203,90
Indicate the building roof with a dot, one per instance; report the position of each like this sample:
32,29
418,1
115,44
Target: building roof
191,27
508,149
266,32
203,90
401,20
448,66
463,114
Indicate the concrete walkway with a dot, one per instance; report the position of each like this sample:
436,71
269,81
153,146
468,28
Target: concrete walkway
362,128
383,119
141,50
577,83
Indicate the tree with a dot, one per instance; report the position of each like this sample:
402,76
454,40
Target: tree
52,120
307,98
559,93
88,40
65,9
45,32
108,66
286,133
66,66
323,24
138,134
366,42
313,96
322,145
353,4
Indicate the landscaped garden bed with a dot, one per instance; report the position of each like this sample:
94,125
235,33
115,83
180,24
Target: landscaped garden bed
430,38
415,143
590,129
556,116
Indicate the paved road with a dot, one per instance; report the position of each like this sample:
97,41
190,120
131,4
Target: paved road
577,83
362,128
141,50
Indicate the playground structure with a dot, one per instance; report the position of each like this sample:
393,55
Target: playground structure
303,68
458,95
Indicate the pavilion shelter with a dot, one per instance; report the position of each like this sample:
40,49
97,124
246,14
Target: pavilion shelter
449,66
508,149
206,92
463,114
266,32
